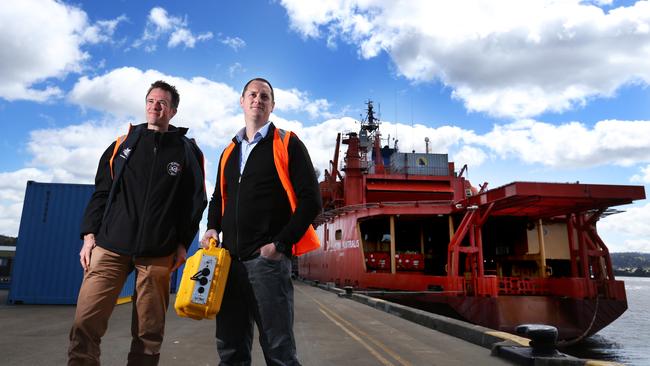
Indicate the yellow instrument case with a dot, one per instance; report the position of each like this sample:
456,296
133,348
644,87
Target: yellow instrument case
204,280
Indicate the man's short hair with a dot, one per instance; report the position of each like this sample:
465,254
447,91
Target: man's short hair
262,80
170,88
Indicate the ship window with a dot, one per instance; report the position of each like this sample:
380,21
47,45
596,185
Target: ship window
376,234
338,234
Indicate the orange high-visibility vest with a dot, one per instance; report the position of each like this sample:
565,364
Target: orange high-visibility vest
309,240
118,142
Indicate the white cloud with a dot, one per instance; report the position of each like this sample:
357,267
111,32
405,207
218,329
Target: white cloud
65,155
12,184
12,193
296,100
120,92
235,69
158,17
160,23
628,231
599,2
507,58
566,146
442,139
102,30
470,156
68,154
204,105
235,43
308,19
643,177
10,217
571,144
185,37
41,41
181,36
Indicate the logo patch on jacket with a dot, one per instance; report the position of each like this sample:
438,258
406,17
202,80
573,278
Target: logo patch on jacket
173,168
125,153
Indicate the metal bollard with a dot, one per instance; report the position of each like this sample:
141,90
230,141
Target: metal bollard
348,291
543,338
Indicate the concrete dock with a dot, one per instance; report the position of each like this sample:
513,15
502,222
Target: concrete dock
329,329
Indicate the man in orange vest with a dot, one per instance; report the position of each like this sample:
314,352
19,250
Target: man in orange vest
265,199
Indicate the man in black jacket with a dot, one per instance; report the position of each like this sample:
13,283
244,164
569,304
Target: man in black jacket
260,228
148,201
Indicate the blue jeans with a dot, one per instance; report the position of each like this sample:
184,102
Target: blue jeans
258,290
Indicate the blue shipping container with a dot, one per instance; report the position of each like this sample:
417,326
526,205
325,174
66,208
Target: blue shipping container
46,268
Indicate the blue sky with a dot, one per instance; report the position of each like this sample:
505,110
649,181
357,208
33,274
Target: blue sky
534,91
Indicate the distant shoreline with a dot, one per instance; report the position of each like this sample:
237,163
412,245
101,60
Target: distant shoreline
628,274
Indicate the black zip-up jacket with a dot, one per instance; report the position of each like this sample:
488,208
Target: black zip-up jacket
257,209
156,199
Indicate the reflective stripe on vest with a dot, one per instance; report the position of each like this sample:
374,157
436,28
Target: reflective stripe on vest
309,240
222,166
118,143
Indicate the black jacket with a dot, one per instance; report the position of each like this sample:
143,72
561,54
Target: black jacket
257,209
156,198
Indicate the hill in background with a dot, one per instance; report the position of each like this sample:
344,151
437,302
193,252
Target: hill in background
8,240
631,264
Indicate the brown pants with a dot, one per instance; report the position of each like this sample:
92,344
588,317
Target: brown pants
99,291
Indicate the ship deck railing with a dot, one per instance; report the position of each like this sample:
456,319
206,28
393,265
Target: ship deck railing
520,286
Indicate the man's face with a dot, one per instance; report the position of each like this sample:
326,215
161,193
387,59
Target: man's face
256,102
159,108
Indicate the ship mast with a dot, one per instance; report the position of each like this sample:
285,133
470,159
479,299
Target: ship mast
370,141
356,158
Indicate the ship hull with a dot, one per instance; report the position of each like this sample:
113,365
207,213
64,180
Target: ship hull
572,317
571,311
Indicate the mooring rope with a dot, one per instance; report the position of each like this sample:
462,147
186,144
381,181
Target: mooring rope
576,340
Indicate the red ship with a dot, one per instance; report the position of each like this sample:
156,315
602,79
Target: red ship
412,226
